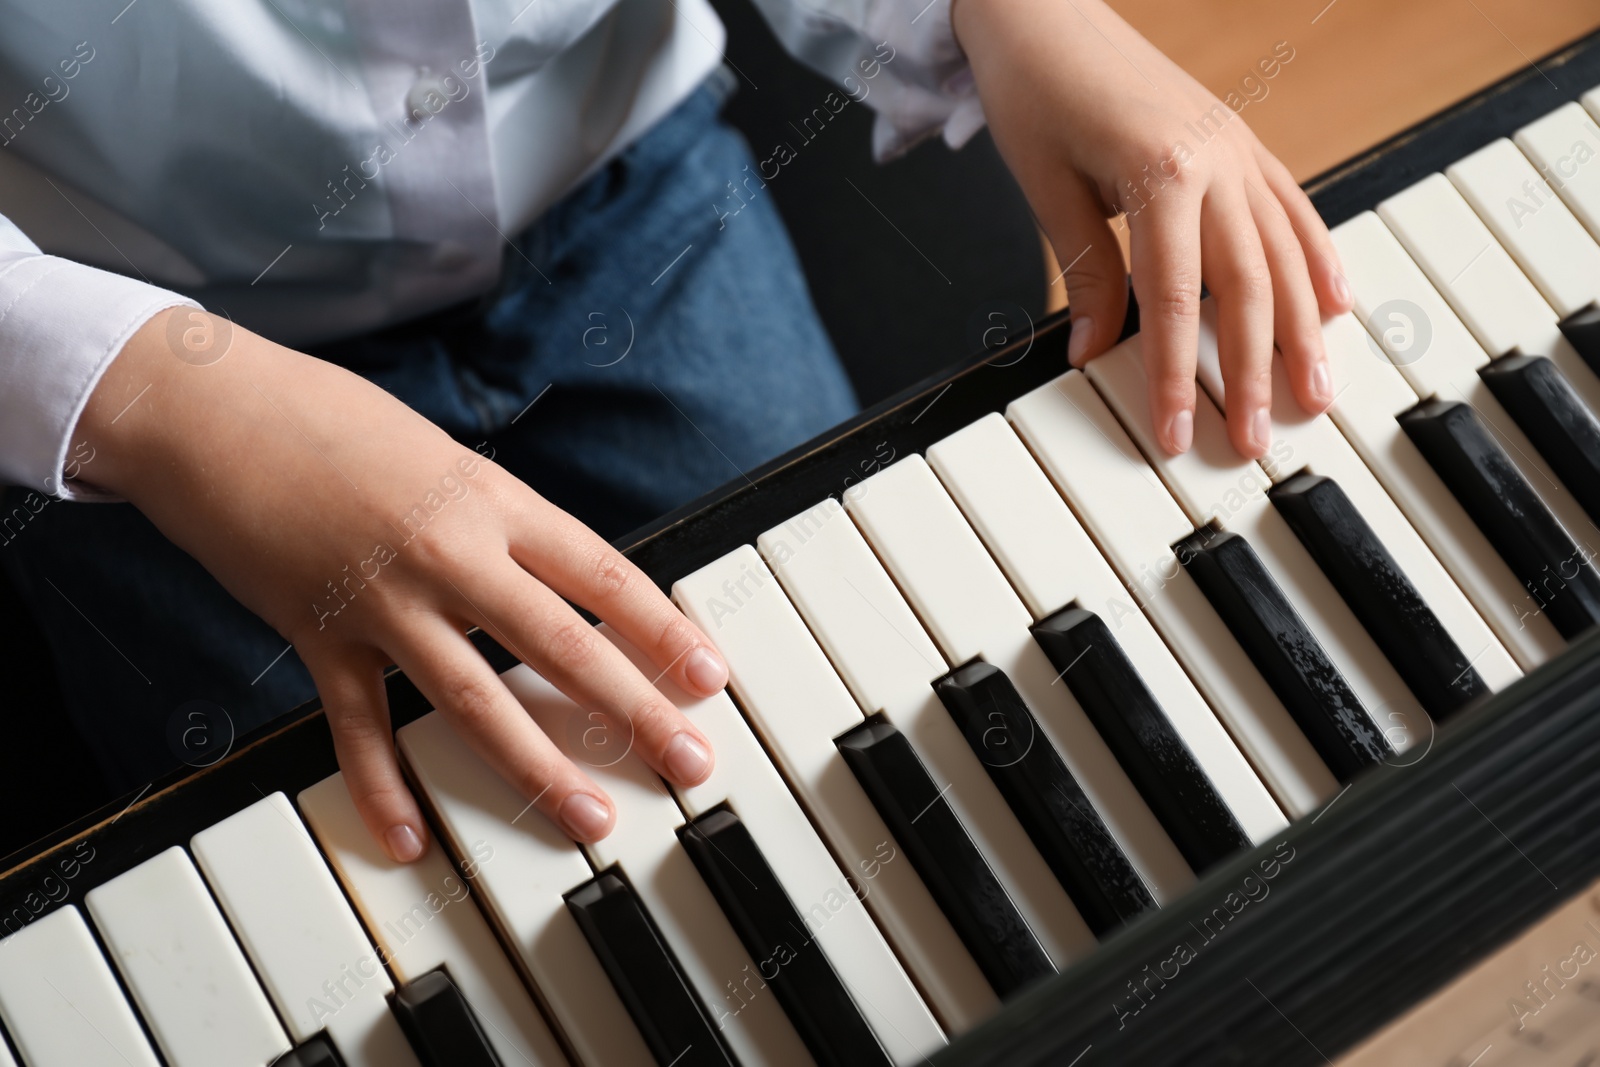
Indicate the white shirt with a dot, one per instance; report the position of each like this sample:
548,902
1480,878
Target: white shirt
320,168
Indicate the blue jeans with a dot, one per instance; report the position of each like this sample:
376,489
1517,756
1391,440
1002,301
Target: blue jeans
640,351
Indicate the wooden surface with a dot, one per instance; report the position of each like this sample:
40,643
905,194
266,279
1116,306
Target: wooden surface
1363,70
1366,69
1535,1003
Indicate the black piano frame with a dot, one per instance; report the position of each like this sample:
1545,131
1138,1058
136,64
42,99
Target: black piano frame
1407,878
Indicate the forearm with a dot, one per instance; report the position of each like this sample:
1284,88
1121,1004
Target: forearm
1043,65
133,418
189,392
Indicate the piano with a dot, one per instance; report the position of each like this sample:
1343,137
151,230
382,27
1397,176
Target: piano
1040,746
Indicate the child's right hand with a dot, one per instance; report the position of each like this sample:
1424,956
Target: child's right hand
283,475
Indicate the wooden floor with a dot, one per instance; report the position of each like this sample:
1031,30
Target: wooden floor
1363,70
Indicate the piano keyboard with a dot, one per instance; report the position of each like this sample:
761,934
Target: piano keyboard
988,707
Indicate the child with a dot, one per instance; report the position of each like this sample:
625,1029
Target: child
310,439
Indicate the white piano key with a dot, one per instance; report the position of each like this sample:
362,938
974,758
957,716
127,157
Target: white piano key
5,1053
60,1002
1214,484
889,664
1051,561
1134,520
186,973
972,612
1565,147
1483,284
797,704
524,867
1380,272
1314,443
830,574
645,845
1371,394
1532,223
826,897
422,916
310,951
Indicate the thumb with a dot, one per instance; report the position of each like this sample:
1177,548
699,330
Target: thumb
357,710
1097,278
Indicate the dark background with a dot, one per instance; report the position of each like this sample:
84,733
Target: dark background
895,316
898,305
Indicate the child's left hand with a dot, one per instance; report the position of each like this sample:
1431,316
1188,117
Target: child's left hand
1095,121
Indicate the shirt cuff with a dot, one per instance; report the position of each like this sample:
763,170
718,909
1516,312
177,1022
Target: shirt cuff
898,57
929,86
61,325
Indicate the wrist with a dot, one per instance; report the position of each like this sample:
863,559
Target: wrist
164,395
1008,36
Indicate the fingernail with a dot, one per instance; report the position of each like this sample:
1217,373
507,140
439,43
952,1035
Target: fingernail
1180,431
687,760
1322,383
1078,339
705,670
404,843
1261,429
1341,289
585,817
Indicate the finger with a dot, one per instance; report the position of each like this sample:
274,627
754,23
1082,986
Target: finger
1322,259
457,681
1237,275
357,708
1097,278
1165,243
1296,320
579,565
577,659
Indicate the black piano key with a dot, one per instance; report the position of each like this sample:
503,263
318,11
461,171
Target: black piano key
1284,650
1582,331
1044,795
1141,737
1541,401
664,1005
776,936
441,1025
1422,652
1555,571
318,1051
955,872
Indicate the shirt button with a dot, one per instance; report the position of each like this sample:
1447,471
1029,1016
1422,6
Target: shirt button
426,97
450,255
